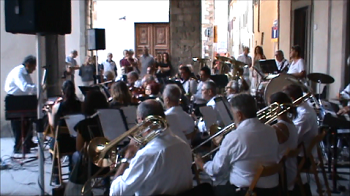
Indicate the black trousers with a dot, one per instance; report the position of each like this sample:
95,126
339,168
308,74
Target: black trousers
17,132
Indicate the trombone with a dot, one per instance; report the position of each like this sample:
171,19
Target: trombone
103,152
267,115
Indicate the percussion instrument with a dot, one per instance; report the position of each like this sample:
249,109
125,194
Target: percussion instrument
276,84
320,78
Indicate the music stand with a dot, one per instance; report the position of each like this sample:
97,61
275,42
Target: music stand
268,66
223,107
85,89
21,108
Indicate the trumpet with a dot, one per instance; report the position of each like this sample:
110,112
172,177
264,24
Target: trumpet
267,115
104,153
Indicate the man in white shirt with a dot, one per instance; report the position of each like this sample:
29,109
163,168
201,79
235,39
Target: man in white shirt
245,58
146,61
109,65
306,120
19,83
133,80
297,67
71,65
180,122
209,94
281,62
189,84
162,167
243,150
345,94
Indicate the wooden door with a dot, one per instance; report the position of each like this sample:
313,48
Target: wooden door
155,36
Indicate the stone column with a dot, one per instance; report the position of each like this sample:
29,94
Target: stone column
185,31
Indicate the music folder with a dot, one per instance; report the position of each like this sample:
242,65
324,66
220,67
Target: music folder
112,123
71,121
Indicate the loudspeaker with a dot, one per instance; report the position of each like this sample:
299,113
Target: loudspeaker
96,39
38,16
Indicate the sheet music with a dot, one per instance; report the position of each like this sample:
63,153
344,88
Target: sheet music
71,121
209,116
130,115
224,115
112,123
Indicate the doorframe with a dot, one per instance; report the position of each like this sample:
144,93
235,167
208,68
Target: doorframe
346,76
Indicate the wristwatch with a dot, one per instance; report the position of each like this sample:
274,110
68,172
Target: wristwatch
125,160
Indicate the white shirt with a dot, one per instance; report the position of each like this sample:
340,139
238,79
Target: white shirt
190,86
19,82
283,65
291,143
109,66
306,123
180,122
163,166
346,92
245,59
198,99
296,67
241,153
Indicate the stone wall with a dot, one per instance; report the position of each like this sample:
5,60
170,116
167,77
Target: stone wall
185,31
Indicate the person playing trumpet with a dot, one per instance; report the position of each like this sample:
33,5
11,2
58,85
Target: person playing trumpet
243,150
162,167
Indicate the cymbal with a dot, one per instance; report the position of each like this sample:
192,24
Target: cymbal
223,58
320,78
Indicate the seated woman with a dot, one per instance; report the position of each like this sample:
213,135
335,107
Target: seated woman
152,90
88,129
120,95
68,104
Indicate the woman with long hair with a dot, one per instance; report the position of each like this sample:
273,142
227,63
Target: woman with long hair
164,70
121,95
297,66
258,55
287,134
66,105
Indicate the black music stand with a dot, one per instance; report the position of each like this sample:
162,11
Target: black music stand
268,66
21,108
86,89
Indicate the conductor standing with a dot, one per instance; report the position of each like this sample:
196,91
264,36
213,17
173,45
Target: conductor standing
19,83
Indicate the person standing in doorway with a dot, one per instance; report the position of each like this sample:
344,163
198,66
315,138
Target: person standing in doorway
146,61
72,65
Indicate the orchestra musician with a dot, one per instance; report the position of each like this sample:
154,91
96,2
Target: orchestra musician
281,62
297,67
180,122
121,95
209,93
305,121
88,129
133,80
189,84
162,167
18,82
345,94
231,89
66,105
197,98
243,150
287,135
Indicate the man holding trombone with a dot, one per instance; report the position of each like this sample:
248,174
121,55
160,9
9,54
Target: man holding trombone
243,150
